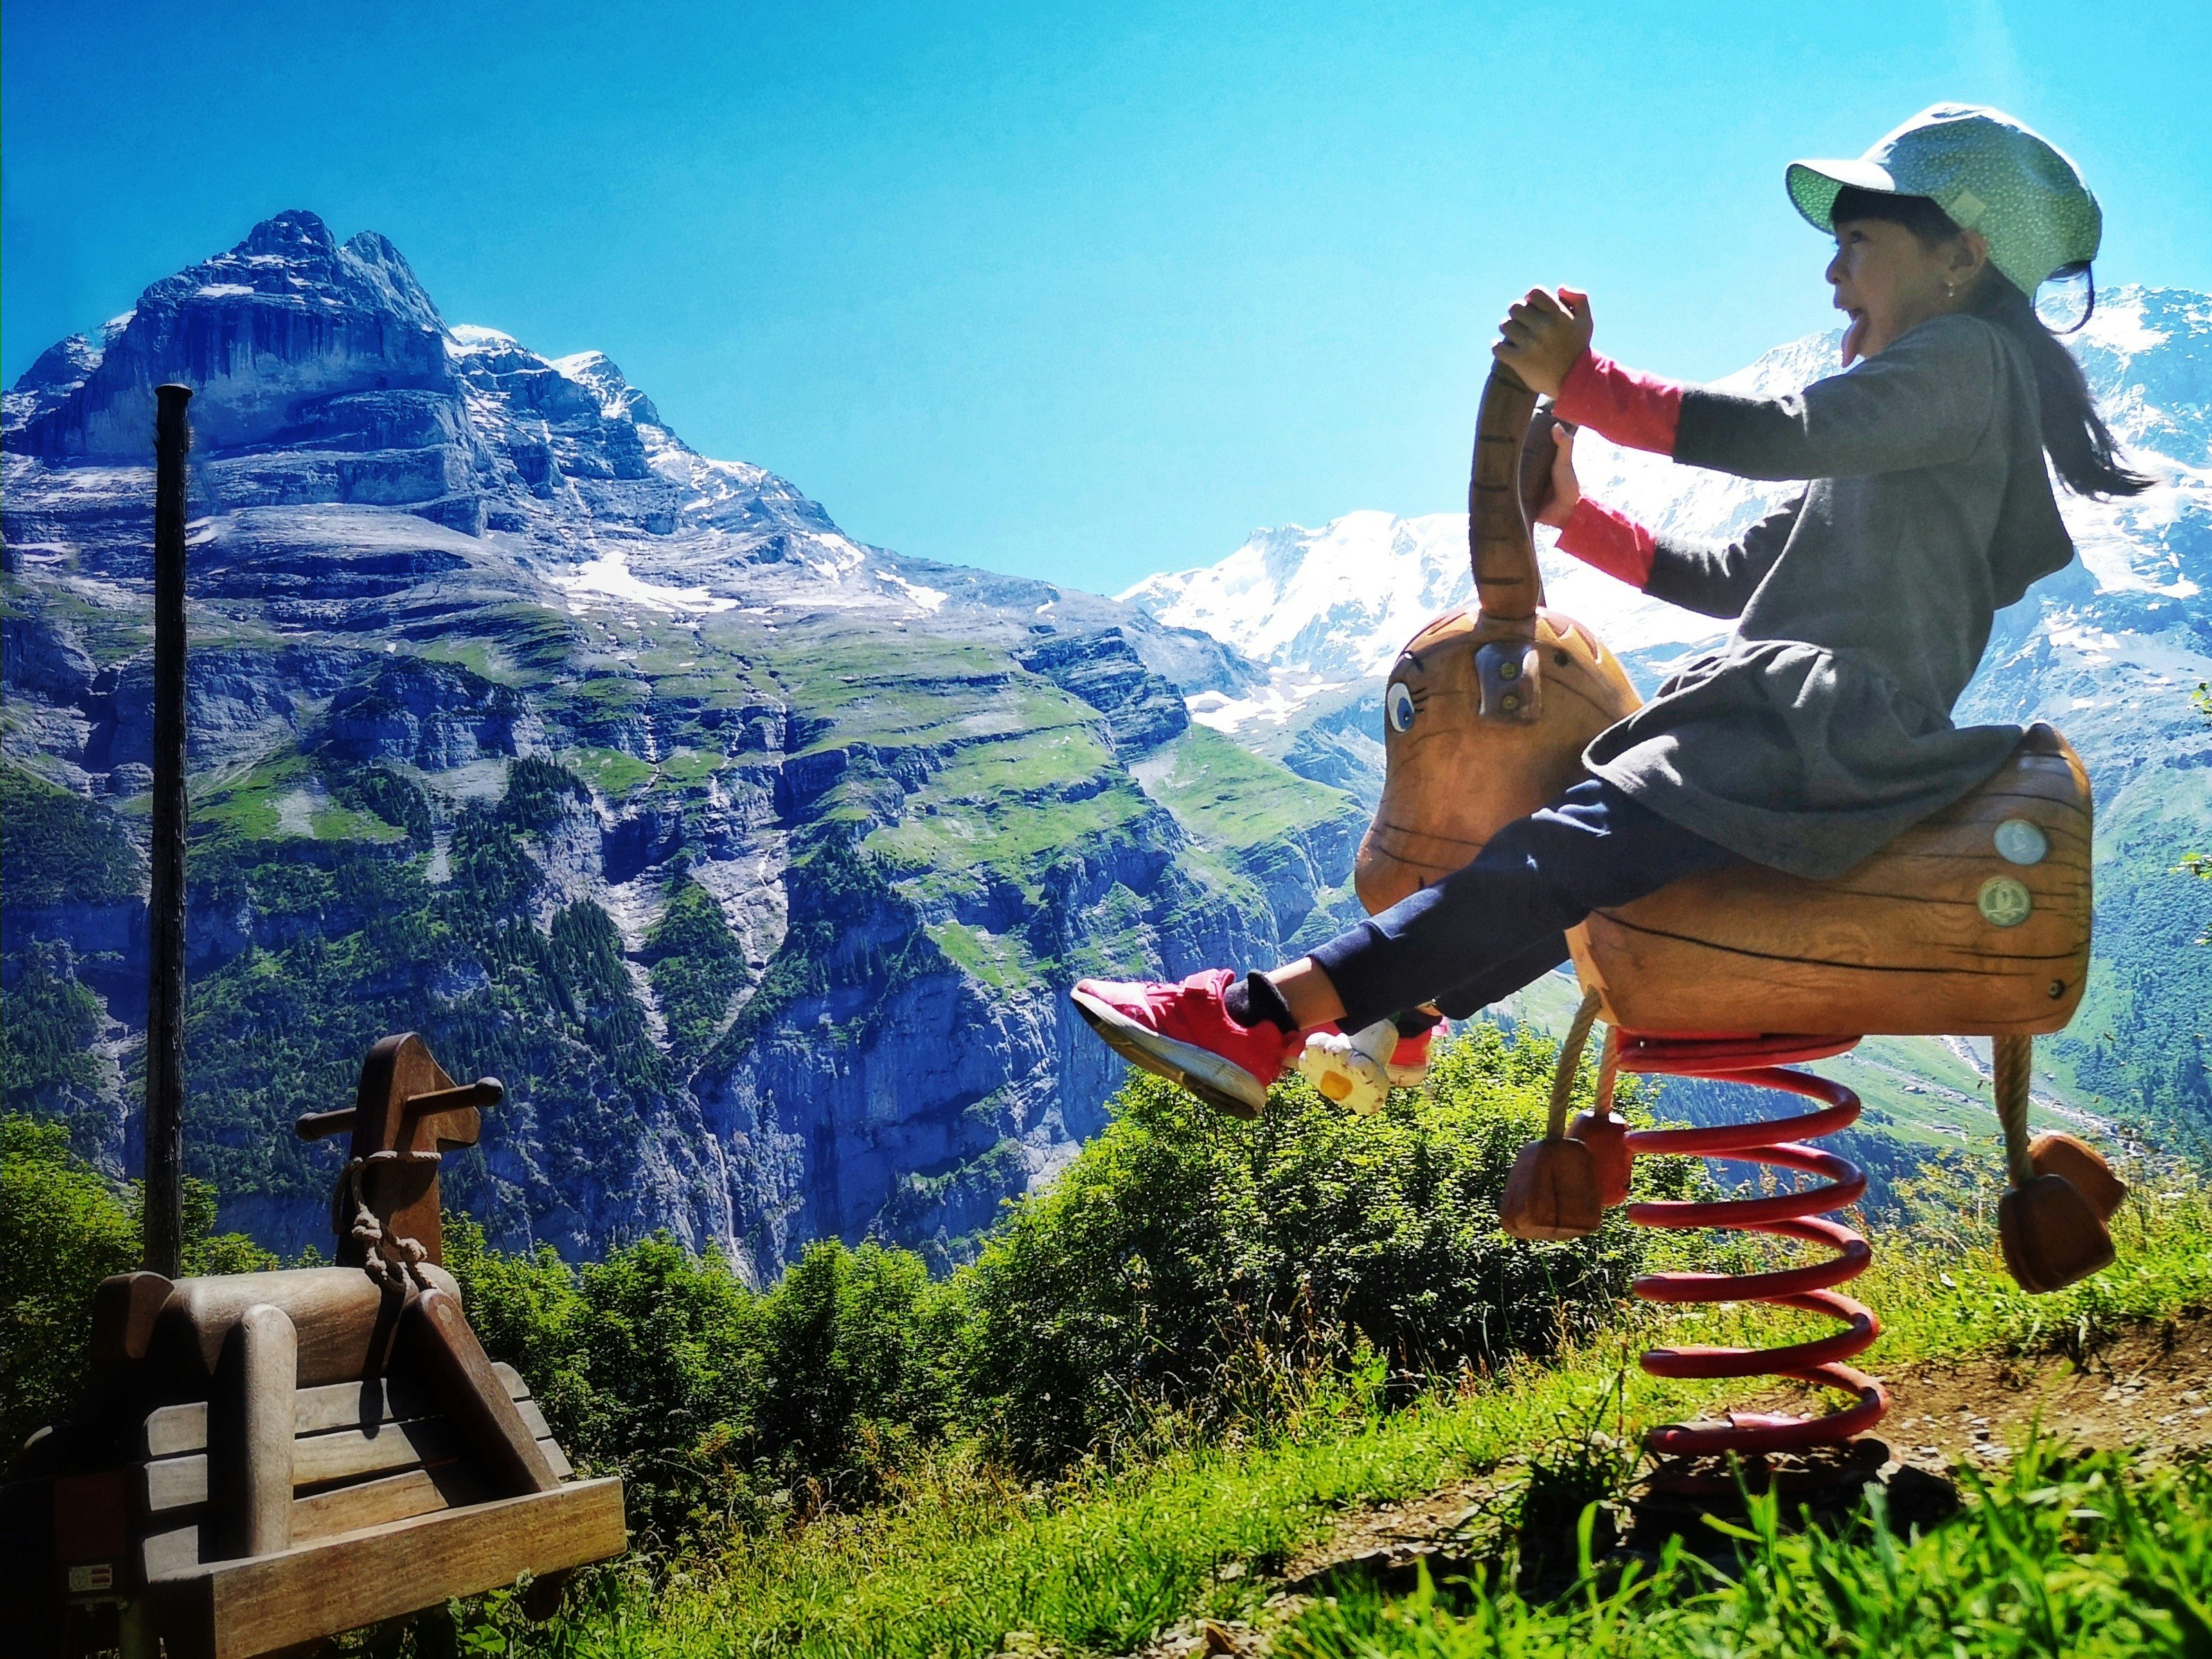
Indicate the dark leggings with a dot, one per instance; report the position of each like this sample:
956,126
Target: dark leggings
1494,925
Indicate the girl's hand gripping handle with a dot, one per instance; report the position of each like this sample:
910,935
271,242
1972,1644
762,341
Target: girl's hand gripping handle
1541,336
1549,488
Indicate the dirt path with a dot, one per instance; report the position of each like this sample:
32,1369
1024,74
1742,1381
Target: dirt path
2148,1389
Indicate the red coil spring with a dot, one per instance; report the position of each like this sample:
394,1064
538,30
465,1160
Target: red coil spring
1760,1062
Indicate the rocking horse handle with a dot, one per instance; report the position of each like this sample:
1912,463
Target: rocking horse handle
1508,586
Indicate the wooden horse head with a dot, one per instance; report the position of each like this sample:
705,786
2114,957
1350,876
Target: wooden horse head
406,1114
1488,708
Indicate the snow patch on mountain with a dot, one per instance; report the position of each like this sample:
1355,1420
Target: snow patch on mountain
610,577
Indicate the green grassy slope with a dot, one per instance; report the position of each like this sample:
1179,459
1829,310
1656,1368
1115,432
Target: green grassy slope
964,1563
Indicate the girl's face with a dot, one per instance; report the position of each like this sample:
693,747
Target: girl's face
1887,279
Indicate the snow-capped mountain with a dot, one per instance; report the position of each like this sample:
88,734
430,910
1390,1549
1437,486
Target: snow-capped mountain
758,861
326,376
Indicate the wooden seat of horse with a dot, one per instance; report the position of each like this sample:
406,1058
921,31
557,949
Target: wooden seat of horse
1974,923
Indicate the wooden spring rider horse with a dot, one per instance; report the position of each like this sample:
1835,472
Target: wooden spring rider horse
1974,923
272,1458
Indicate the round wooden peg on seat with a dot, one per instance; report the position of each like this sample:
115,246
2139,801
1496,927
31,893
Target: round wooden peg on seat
1606,1134
2084,1167
1555,1192
2052,1237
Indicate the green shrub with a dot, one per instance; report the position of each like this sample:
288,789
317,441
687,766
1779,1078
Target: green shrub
61,1230
1189,1260
538,790
48,1025
697,965
398,801
63,1227
716,1403
859,1365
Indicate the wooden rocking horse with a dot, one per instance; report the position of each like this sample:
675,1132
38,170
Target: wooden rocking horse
1975,923
272,1458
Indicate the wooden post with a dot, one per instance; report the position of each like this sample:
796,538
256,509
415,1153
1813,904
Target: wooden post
250,1441
165,1000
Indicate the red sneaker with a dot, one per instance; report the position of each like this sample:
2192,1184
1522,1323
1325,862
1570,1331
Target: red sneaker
1184,1034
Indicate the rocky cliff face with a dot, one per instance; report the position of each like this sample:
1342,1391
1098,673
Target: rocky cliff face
756,860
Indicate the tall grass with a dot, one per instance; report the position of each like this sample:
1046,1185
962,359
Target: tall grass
2090,1558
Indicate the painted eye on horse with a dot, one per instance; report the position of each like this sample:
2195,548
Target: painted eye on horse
1398,703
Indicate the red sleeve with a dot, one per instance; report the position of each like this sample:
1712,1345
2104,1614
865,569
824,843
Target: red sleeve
1612,541
1619,404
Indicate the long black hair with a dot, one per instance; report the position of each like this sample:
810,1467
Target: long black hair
2082,450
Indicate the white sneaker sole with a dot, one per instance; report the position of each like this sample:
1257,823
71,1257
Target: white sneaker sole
1220,1083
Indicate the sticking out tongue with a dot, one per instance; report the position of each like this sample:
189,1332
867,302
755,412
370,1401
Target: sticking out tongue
1854,336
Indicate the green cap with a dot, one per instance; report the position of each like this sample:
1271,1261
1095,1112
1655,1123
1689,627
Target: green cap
1988,172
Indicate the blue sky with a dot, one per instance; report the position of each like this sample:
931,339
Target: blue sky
1082,292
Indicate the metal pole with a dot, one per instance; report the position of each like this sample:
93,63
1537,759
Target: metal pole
165,1000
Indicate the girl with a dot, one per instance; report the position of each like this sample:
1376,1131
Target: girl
1821,729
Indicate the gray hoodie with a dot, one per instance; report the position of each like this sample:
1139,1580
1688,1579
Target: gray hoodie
1822,728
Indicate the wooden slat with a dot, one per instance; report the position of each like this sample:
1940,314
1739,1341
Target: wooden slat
325,1513
318,1459
391,1498
175,1483
555,1460
234,1610
175,1429
172,1554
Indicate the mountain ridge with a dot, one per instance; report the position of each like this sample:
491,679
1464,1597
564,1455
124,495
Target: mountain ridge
755,859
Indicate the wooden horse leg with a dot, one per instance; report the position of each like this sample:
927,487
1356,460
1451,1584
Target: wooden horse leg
2051,1233
1604,1131
459,1374
1557,1189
